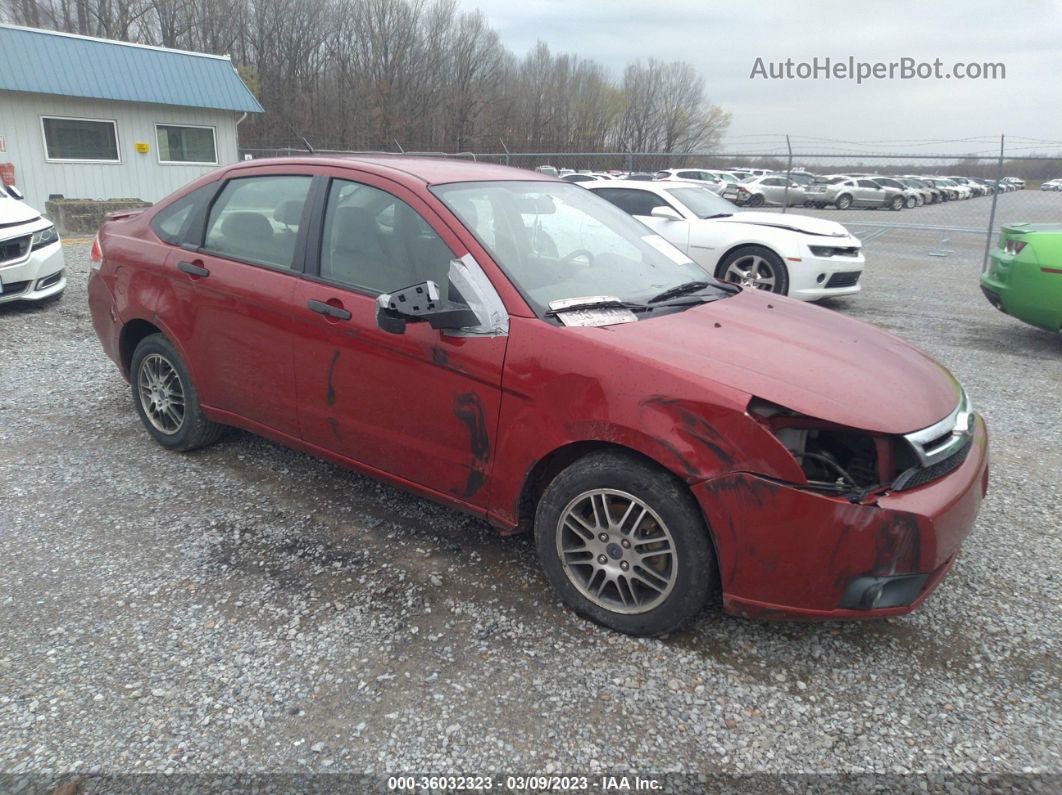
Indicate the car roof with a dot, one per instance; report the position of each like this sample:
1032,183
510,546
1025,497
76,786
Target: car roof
405,168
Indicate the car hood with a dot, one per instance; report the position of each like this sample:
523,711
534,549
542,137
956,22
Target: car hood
804,224
812,360
14,212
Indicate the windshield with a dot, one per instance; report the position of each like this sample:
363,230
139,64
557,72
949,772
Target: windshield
560,241
702,203
727,177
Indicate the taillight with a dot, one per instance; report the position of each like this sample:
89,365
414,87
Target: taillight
1014,246
96,254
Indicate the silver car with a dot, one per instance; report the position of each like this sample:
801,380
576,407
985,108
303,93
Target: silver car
843,191
768,189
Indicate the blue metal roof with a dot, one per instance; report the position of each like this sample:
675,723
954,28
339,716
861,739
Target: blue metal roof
46,62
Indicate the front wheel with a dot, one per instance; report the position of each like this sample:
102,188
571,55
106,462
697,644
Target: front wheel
911,203
165,398
625,545
754,267
896,203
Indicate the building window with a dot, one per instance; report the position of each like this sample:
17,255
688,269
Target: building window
87,140
183,144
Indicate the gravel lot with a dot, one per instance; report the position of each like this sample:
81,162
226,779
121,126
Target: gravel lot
248,608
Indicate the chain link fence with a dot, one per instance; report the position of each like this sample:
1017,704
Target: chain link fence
951,205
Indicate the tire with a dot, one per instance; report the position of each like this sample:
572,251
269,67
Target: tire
754,260
910,203
683,580
755,200
844,201
157,370
896,203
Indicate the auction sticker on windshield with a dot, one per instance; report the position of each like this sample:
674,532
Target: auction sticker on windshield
605,316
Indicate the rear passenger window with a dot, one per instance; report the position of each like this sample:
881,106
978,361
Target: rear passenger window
171,223
256,219
374,241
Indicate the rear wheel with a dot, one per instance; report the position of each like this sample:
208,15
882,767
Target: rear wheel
756,200
844,201
754,267
165,398
625,545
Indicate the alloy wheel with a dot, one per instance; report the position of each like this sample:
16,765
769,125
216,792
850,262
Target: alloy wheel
752,271
617,551
161,393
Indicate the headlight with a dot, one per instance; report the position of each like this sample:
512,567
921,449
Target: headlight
835,459
43,238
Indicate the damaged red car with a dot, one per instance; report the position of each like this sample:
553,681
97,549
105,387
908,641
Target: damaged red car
518,348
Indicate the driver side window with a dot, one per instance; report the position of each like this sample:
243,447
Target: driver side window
374,242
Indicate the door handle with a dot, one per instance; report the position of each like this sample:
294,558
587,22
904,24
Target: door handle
321,308
193,270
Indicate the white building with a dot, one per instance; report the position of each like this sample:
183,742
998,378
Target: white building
87,118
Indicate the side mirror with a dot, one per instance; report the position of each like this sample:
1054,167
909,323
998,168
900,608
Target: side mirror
14,192
419,303
667,213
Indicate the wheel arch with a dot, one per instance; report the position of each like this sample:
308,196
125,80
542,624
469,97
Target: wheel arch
556,461
130,336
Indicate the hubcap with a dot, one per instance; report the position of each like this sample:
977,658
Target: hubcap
751,271
161,393
616,551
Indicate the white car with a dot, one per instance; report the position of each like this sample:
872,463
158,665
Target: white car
1051,184
708,179
795,255
31,257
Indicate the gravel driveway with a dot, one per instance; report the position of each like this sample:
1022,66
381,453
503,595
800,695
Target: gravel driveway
248,608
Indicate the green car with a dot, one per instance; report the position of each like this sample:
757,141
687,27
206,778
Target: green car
1024,275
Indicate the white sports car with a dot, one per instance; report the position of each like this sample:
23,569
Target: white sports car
795,255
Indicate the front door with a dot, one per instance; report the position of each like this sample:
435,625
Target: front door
423,405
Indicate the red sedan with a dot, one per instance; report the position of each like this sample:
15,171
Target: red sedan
518,348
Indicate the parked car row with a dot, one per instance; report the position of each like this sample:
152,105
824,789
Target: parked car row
764,188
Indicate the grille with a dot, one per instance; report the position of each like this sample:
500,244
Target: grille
919,477
14,249
845,279
10,288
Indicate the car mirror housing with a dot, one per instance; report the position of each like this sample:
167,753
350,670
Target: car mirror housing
421,302
667,213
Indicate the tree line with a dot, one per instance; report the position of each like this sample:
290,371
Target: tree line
416,74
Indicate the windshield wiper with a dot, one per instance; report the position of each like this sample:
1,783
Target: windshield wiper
593,302
681,289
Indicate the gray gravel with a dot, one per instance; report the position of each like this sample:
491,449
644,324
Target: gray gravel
248,608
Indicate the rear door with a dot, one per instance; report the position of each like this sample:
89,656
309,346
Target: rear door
238,319
423,405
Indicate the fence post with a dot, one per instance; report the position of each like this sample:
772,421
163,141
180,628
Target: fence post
992,214
506,151
630,161
788,175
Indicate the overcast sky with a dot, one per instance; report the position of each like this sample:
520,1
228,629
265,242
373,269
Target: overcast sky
723,40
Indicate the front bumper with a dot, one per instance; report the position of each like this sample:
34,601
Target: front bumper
39,276
815,277
785,552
